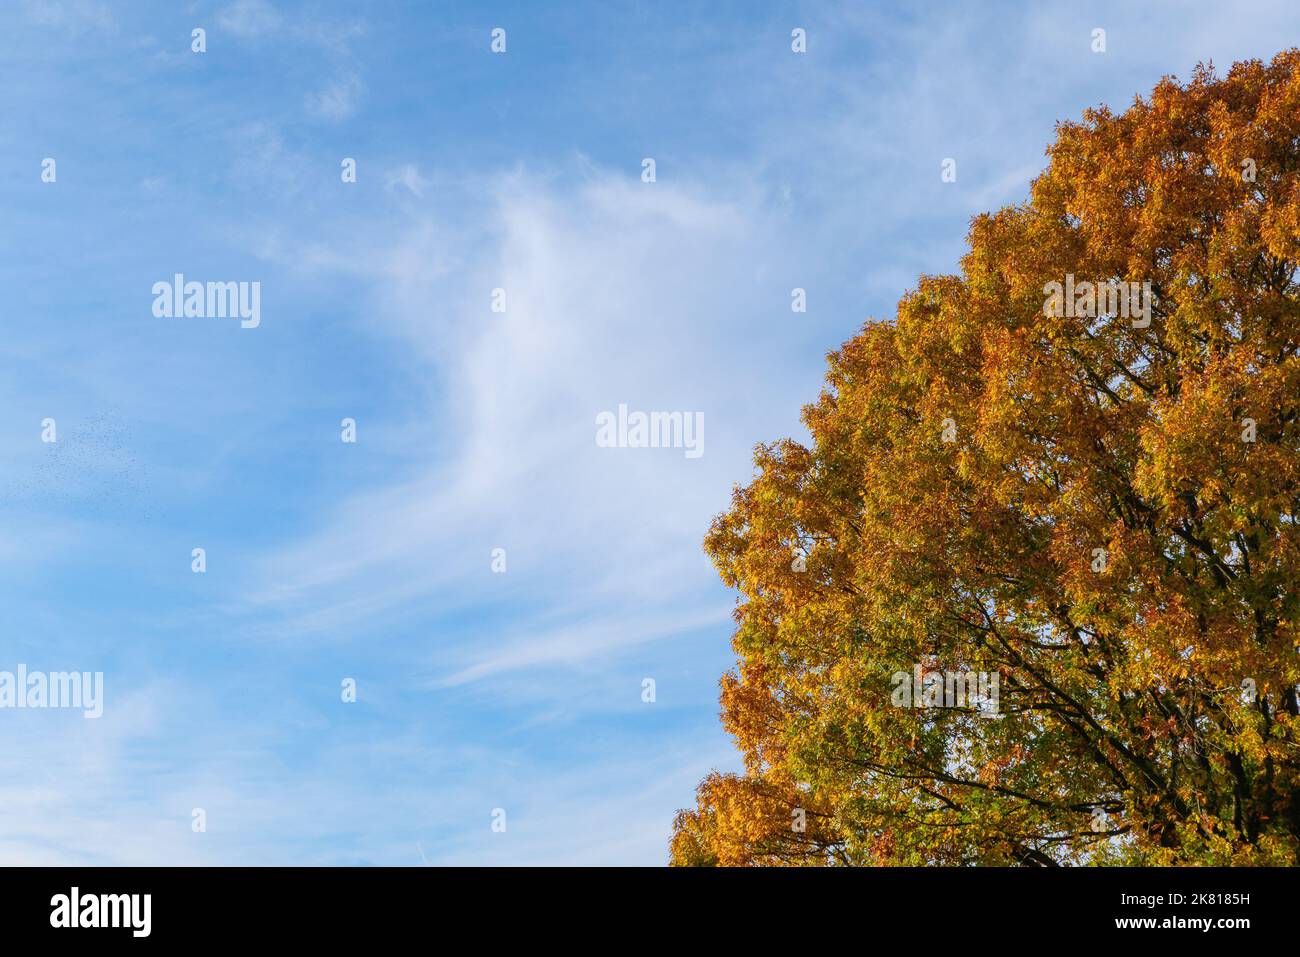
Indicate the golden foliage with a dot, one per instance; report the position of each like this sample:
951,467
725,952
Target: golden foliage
1148,709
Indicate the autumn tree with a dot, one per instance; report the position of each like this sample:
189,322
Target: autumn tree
1074,466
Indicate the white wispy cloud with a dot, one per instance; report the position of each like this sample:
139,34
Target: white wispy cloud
338,98
617,291
75,16
249,18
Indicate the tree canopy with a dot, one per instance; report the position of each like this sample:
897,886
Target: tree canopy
1097,509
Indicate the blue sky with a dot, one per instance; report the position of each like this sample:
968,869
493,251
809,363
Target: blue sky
372,560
